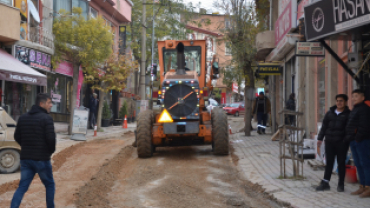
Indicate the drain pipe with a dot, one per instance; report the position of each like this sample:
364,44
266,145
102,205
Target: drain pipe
270,21
272,85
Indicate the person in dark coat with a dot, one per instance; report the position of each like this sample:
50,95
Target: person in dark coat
358,134
290,105
36,136
333,129
261,107
93,109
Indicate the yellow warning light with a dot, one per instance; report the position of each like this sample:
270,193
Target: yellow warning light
165,117
201,92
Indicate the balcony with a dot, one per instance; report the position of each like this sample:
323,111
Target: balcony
9,23
41,36
265,42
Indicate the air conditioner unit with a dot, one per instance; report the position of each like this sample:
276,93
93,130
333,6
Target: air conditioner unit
354,60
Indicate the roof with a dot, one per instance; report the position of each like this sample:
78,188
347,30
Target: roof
201,30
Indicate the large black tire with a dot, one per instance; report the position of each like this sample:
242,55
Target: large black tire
237,114
144,134
9,161
220,135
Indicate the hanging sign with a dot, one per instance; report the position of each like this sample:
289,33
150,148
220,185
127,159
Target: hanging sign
327,17
269,69
309,49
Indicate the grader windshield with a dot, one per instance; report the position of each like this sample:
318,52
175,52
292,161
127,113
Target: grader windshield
192,59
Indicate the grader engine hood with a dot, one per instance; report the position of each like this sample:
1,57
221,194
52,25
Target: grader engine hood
180,90
181,96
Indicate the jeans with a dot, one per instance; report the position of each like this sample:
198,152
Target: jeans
340,150
361,155
261,118
28,170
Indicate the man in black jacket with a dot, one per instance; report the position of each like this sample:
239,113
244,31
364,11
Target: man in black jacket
358,134
333,129
36,136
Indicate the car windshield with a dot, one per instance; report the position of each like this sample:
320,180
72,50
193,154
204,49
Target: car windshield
192,58
234,105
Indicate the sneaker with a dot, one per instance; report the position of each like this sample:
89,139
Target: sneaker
340,188
324,186
259,132
359,191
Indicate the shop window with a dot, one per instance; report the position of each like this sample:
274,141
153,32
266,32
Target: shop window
7,2
19,98
93,13
228,49
321,89
59,89
69,4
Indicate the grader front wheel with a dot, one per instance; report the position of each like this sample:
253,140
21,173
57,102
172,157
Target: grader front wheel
220,135
144,134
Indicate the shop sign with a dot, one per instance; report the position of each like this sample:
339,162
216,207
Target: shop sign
80,121
309,49
286,21
33,58
327,17
235,87
269,69
26,79
79,85
55,97
65,68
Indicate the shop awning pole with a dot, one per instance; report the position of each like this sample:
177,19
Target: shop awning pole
340,61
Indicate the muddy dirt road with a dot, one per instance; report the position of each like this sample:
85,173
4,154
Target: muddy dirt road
108,173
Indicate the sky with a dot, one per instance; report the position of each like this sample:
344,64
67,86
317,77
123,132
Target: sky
207,4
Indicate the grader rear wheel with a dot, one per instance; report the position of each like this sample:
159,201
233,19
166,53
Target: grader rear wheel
144,134
220,135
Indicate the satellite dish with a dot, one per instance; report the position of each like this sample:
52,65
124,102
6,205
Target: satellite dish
33,11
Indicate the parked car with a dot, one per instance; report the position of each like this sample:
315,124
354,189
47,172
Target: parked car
235,109
9,148
212,104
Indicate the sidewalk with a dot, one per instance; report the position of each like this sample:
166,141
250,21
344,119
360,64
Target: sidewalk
259,163
64,141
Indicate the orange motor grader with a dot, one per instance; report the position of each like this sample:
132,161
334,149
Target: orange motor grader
182,118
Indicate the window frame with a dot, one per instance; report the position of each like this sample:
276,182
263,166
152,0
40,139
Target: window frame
90,12
228,50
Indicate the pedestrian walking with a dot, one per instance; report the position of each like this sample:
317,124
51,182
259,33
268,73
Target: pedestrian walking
261,107
36,136
93,109
333,129
290,105
358,134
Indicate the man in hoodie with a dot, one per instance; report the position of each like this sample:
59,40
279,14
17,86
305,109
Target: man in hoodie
358,134
333,129
36,136
261,107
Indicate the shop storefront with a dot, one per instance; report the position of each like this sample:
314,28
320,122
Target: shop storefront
59,86
19,85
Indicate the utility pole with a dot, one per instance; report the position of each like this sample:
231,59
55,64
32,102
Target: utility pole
153,38
143,54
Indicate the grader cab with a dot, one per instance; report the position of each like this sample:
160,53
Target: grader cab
182,118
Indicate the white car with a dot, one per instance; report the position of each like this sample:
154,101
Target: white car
211,104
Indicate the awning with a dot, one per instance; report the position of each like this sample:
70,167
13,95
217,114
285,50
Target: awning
15,71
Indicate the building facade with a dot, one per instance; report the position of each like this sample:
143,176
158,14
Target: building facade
27,36
315,80
211,30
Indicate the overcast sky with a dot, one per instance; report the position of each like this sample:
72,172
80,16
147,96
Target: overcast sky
207,4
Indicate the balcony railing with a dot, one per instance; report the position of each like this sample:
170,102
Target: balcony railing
41,36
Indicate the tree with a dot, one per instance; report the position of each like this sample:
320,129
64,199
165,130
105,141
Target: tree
115,70
86,43
244,26
170,21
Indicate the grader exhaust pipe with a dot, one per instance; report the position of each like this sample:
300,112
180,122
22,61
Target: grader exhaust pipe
180,59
